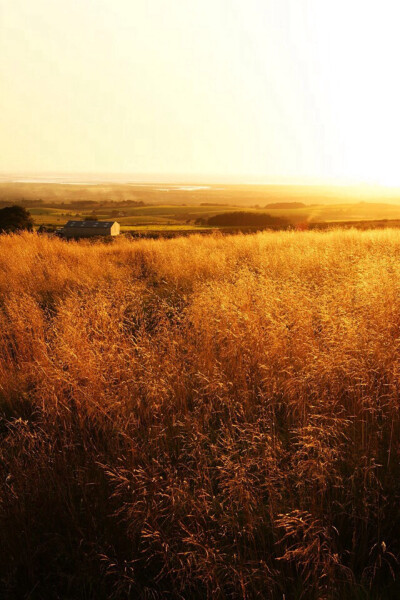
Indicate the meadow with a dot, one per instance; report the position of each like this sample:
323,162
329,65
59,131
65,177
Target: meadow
202,417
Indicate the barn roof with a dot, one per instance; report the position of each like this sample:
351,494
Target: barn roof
89,224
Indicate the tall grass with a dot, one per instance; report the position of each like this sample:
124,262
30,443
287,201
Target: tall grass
203,417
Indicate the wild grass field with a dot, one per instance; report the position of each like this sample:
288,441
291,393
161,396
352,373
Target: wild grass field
203,417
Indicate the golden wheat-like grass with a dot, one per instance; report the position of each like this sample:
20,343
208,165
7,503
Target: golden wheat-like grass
203,417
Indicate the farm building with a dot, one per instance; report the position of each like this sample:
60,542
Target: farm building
75,229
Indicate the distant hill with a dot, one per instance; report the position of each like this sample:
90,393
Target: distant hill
286,205
280,197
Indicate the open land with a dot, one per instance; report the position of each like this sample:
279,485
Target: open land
144,209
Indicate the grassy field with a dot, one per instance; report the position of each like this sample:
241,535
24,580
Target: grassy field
203,417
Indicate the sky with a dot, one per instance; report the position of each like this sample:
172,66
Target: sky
274,91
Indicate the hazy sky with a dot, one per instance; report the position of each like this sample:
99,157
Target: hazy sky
282,90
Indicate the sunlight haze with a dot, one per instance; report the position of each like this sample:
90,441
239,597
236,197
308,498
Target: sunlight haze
271,90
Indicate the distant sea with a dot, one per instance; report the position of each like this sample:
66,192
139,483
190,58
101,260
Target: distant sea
76,180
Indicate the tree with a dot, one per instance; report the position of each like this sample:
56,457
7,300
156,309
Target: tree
15,218
248,219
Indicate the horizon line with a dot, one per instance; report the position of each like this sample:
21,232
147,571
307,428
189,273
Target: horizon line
182,179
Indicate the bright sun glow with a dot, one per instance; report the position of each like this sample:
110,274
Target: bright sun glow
273,90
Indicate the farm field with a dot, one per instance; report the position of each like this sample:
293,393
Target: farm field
202,417
157,207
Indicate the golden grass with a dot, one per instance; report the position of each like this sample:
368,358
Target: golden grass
203,417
